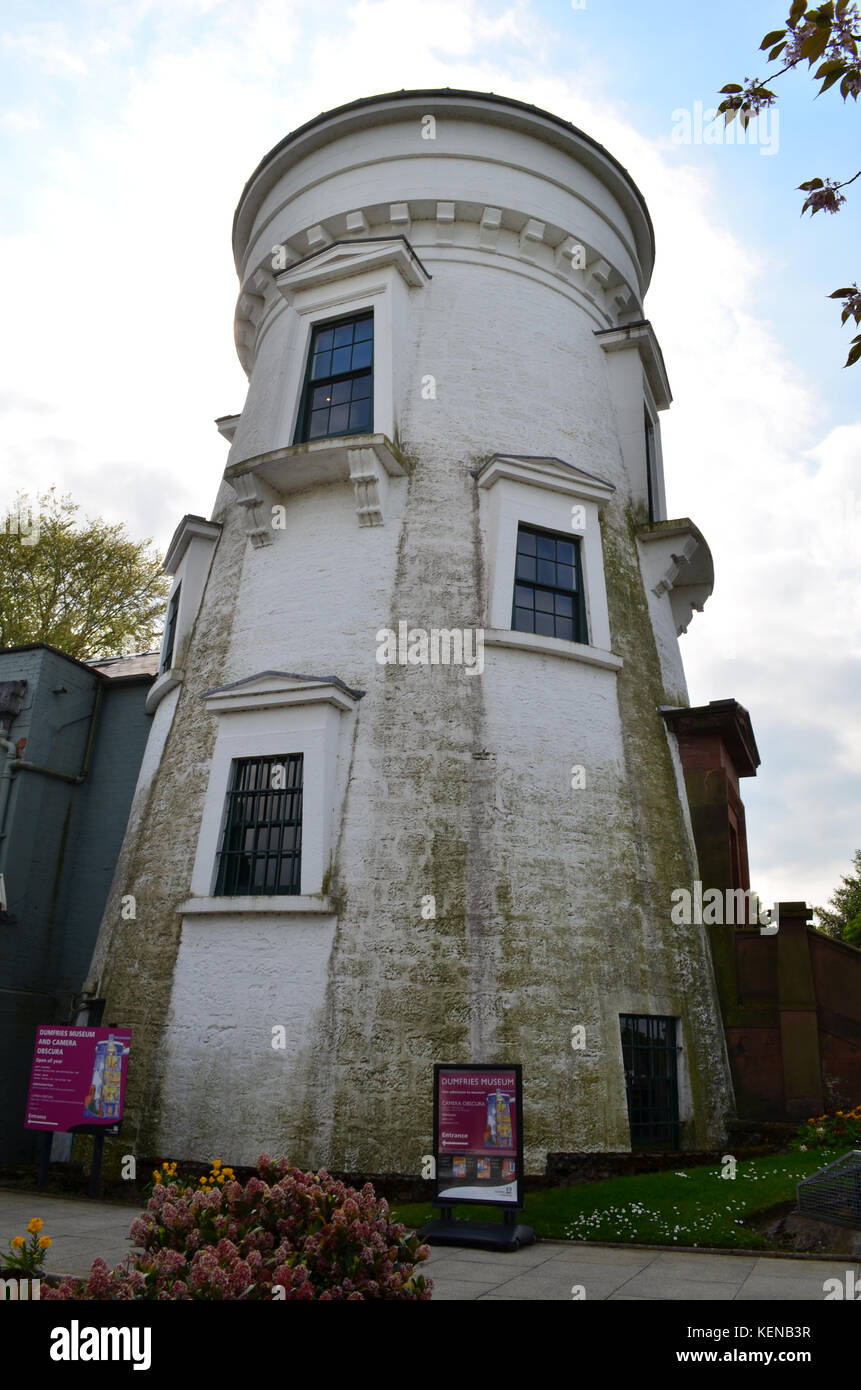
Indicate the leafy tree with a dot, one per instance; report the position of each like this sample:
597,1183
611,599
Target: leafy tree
831,32
843,918
88,590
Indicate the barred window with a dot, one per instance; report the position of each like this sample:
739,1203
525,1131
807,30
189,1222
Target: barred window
261,849
650,1055
548,586
337,398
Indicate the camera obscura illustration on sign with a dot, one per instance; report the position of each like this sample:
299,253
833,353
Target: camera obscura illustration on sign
478,1138
78,1078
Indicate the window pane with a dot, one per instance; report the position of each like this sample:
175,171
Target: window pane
340,392
323,339
339,418
523,596
546,571
343,335
319,424
360,415
361,387
545,623
362,354
364,329
341,360
565,552
546,548
321,365
525,567
543,601
564,606
524,620
566,577
526,543
565,628
320,397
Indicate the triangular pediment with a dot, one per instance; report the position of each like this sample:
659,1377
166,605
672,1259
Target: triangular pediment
273,688
345,258
541,470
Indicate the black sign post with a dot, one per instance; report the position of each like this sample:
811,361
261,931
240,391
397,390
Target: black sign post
478,1154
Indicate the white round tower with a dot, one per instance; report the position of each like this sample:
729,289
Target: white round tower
409,796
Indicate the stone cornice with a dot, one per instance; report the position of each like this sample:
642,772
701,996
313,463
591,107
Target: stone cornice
189,528
641,336
316,254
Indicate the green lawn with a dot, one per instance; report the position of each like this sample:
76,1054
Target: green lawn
694,1206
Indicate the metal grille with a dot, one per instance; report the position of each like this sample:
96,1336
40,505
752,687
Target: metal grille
834,1193
261,850
651,1079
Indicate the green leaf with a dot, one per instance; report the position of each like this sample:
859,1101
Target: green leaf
731,87
853,356
842,294
776,51
837,65
814,47
814,183
772,37
797,9
829,82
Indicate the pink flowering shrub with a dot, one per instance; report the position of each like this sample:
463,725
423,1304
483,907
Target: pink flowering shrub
286,1234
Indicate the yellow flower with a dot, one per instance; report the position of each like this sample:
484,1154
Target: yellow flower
216,1163
44,1242
35,1226
17,1242
157,1177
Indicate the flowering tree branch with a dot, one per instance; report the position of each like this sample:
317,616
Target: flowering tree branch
831,32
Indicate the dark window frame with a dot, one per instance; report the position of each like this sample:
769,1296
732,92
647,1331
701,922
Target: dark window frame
651,480
303,421
272,811
651,1065
170,628
578,621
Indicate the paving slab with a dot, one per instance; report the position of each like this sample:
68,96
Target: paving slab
82,1230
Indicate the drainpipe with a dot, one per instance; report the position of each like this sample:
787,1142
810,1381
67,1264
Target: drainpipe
12,751
24,766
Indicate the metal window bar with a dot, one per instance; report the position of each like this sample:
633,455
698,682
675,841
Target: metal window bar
650,1055
261,850
548,586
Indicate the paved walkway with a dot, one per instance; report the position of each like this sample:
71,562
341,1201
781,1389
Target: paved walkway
81,1230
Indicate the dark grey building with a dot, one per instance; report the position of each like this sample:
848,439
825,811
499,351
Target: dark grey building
72,735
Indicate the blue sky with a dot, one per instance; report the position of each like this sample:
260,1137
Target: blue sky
126,133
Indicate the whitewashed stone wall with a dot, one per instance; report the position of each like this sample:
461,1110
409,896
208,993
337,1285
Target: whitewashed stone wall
552,904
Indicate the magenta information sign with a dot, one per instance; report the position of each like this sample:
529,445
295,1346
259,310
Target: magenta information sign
78,1077
478,1137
